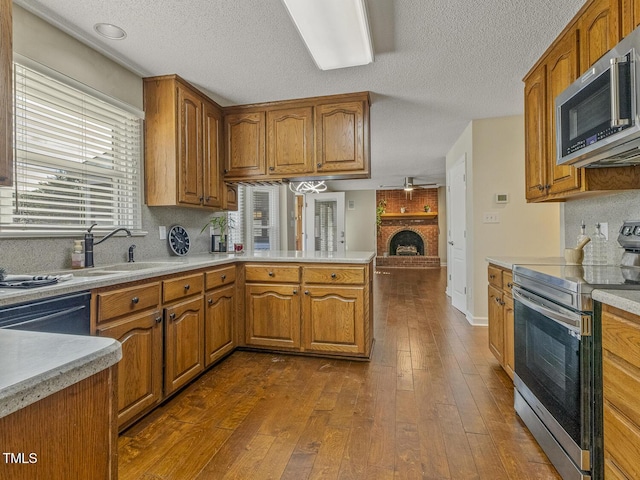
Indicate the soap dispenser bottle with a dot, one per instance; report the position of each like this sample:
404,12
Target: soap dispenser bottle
77,256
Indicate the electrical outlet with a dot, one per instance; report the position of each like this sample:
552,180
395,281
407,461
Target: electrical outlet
491,217
604,229
162,232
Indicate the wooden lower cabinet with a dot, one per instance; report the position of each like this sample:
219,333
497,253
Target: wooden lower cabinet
140,370
219,321
272,315
183,343
72,433
332,319
620,392
500,313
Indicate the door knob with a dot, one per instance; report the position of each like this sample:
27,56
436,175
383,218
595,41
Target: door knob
450,242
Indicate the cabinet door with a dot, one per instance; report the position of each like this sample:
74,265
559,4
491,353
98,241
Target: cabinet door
273,316
219,321
598,30
183,343
509,357
290,141
629,16
140,370
244,148
562,70
189,147
496,324
341,137
212,158
333,319
231,197
6,94
535,133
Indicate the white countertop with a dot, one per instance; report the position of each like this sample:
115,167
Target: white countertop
628,300
34,365
166,266
508,262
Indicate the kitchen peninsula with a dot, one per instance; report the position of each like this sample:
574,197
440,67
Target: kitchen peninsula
177,316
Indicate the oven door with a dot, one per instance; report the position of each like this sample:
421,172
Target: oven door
552,367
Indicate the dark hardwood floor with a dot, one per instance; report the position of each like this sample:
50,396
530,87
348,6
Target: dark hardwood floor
433,403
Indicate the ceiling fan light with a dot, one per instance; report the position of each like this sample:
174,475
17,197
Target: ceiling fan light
336,32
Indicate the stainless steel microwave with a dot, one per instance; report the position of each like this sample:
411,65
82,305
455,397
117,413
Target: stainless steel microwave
597,123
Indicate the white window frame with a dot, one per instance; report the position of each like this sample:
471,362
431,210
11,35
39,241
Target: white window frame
118,163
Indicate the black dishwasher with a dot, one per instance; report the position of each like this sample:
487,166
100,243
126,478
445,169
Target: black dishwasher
63,314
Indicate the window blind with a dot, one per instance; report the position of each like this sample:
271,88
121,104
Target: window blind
77,160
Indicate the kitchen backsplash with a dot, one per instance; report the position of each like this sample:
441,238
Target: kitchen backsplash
614,209
50,254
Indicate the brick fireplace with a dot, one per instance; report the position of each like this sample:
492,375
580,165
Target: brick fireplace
413,230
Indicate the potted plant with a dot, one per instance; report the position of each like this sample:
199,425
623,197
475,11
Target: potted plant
221,223
382,204
427,208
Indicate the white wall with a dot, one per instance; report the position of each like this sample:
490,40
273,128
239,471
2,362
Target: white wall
495,164
442,225
360,223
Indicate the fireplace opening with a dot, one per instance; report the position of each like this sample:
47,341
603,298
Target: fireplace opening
407,243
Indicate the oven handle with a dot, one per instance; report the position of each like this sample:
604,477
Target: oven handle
560,315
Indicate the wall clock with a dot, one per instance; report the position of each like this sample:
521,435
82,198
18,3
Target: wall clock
179,240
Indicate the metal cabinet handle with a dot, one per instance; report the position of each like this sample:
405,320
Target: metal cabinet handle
306,292
210,301
172,316
158,319
223,277
333,275
509,285
295,292
492,277
271,274
135,300
187,287
272,168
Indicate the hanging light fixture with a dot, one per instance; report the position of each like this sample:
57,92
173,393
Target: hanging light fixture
316,186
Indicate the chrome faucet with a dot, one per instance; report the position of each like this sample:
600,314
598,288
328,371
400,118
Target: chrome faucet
89,242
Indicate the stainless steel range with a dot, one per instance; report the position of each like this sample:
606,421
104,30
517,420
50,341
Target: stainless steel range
557,384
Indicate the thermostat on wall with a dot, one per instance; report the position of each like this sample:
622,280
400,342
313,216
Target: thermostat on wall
502,198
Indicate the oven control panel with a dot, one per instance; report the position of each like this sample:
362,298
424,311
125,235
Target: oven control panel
629,235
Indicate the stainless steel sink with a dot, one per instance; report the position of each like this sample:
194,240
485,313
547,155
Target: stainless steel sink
91,273
128,267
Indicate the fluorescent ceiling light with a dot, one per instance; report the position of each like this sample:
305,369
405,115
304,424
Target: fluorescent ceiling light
336,32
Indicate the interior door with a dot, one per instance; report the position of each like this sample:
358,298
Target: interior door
324,221
457,234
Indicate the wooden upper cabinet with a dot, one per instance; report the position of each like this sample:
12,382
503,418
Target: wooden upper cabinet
245,145
189,147
213,160
341,137
290,141
562,70
309,137
535,126
599,31
183,151
629,16
230,200
6,94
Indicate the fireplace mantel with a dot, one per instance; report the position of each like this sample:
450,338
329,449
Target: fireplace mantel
409,216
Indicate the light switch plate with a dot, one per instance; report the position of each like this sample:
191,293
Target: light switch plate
491,217
162,232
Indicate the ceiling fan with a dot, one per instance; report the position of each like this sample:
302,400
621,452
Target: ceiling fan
408,185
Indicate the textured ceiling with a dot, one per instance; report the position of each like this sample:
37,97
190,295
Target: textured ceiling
438,64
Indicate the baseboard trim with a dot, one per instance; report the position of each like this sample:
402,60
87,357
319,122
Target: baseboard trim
477,321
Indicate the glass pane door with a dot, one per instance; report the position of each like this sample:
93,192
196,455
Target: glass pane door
325,222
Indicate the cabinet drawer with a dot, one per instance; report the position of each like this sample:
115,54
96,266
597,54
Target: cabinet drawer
127,300
272,273
507,281
336,275
495,276
219,277
182,287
